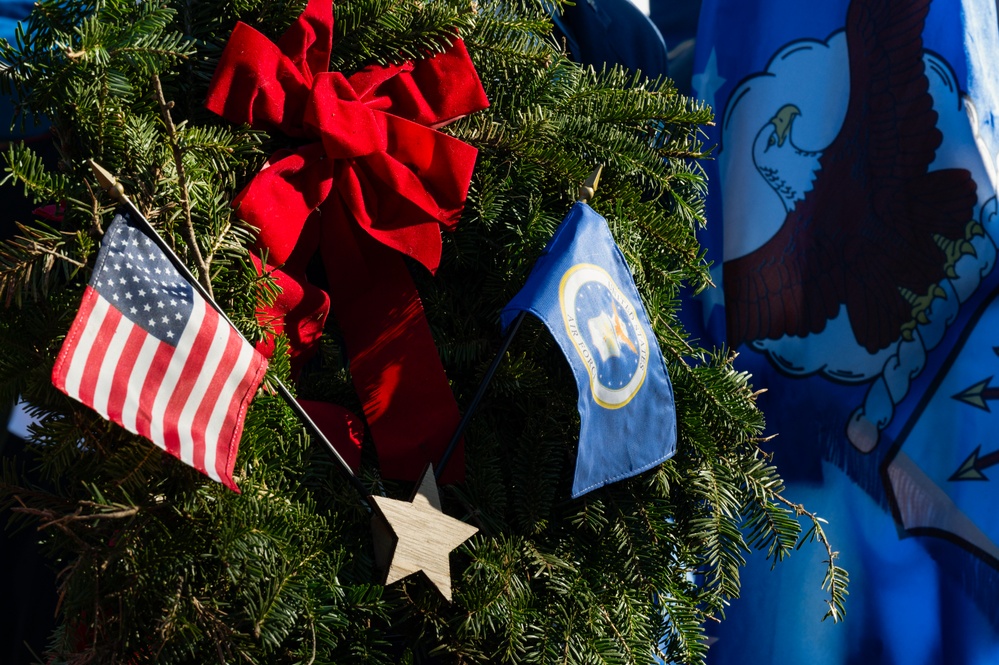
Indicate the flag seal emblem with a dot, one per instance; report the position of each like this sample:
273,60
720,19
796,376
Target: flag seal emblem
604,327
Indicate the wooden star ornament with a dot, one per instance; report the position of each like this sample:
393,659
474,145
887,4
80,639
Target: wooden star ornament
415,535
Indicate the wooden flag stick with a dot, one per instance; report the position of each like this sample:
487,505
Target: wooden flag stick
586,192
111,185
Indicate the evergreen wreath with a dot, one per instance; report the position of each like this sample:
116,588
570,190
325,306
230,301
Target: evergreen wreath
158,564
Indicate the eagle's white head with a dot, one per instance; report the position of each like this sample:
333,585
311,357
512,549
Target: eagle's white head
789,170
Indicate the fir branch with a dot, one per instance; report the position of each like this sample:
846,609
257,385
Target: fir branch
204,276
390,31
511,32
836,579
61,520
95,210
722,541
24,165
31,262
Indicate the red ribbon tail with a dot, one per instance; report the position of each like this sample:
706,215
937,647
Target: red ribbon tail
340,427
394,363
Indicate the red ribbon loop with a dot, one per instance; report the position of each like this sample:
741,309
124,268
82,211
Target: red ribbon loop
378,165
378,122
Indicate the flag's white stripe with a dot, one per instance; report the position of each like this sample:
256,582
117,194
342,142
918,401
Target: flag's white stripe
199,392
173,373
237,378
105,378
83,347
133,396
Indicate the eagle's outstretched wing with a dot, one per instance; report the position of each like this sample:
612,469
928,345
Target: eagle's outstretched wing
864,235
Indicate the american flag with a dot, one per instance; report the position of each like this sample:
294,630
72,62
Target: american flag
149,353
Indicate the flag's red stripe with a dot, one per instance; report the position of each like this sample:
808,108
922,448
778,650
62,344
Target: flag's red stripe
122,372
188,377
92,370
151,386
213,393
226,463
65,359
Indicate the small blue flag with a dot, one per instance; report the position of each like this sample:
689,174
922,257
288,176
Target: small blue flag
583,291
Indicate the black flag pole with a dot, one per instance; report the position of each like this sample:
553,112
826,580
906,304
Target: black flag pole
473,405
112,186
586,192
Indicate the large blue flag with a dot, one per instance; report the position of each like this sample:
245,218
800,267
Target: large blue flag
853,226
583,291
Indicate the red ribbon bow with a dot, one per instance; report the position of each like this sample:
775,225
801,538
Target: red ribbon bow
379,181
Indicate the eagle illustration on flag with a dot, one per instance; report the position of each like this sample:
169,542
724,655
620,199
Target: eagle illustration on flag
868,221
147,352
877,256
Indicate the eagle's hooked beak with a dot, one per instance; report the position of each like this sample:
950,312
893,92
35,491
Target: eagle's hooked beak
782,121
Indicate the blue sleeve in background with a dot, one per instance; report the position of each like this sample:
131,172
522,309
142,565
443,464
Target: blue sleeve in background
612,32
11,13
677,23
